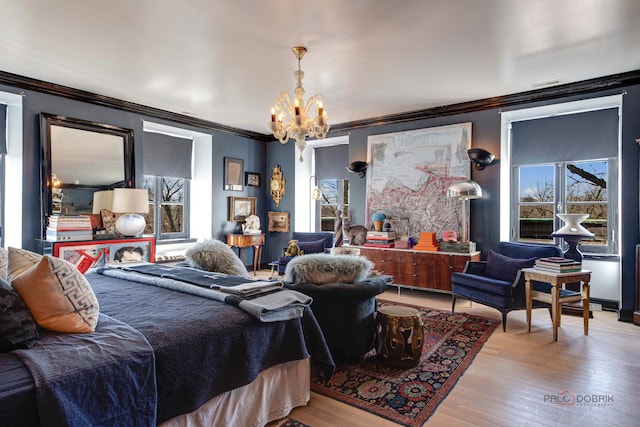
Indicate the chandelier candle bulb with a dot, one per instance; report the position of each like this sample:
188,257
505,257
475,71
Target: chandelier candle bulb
273,115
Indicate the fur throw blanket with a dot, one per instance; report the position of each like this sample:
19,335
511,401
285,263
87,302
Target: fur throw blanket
325,268
214,255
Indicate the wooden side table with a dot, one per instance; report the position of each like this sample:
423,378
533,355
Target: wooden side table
242,241
556,297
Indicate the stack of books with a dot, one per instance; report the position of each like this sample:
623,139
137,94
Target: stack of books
69,228
558,265
428,242
380,239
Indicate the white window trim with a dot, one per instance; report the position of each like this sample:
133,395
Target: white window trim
201,182
304,205
13,171
508,117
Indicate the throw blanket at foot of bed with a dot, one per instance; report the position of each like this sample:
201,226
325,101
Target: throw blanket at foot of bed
205,347
104,378
273,304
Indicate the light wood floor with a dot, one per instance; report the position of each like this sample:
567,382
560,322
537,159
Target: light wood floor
515,374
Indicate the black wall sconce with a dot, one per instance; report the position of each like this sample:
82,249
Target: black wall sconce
480,157
358,167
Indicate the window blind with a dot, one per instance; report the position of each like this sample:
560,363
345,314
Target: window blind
166,155
571,137
331,162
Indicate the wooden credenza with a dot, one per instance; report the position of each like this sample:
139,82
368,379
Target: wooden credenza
419,269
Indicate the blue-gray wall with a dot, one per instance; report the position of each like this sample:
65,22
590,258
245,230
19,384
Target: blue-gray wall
224,145
485,212
261,157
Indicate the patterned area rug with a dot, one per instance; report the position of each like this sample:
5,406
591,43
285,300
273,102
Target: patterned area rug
409,396
291,422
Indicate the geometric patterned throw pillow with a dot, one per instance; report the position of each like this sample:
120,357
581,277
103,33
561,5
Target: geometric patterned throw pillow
17,327
20,260
59,297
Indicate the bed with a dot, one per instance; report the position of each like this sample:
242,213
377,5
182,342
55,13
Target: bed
212,362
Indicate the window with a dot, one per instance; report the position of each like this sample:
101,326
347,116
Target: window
335,198
563,158
168,207
586,186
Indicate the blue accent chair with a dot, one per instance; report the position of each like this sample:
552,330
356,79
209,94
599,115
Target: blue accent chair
302,236
504,295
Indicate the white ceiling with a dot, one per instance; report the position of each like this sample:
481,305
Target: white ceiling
225,61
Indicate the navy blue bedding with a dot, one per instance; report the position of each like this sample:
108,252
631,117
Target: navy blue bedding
205,347
104,378
17,393
202,347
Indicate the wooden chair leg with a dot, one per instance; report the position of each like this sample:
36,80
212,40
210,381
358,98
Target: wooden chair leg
504,321
453,303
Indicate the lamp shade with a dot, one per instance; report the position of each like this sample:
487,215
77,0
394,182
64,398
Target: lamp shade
130,200
465,190
102,200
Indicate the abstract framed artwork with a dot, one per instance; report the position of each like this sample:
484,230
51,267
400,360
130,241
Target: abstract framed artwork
252,179
93,253
233,174
241,207
279,222
408,174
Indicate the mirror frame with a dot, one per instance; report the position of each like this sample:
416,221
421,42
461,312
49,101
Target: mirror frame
46,121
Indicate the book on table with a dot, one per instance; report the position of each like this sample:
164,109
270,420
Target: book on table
381,234
558,265
557,260
555,270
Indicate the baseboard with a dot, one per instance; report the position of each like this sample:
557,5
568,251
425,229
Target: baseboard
605,304
625,315
636,317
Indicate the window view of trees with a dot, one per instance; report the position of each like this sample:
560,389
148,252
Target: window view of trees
580,187
167,206
335,198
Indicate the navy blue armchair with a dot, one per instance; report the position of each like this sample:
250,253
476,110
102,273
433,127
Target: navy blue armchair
498,282
310,244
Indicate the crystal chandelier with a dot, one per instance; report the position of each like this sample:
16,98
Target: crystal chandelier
293,119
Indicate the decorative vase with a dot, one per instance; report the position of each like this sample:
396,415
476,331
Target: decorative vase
378,221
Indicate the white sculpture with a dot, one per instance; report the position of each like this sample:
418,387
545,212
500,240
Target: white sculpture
251,225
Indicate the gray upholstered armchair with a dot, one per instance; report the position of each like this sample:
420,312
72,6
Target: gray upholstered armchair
498,281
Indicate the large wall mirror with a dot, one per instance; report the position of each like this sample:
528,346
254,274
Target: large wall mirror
80,157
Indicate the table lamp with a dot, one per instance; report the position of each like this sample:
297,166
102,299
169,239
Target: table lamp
464,190
102,200
572,232
130,202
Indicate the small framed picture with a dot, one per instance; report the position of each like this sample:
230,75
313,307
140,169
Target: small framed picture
241,207
233,170
279,222
252,179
